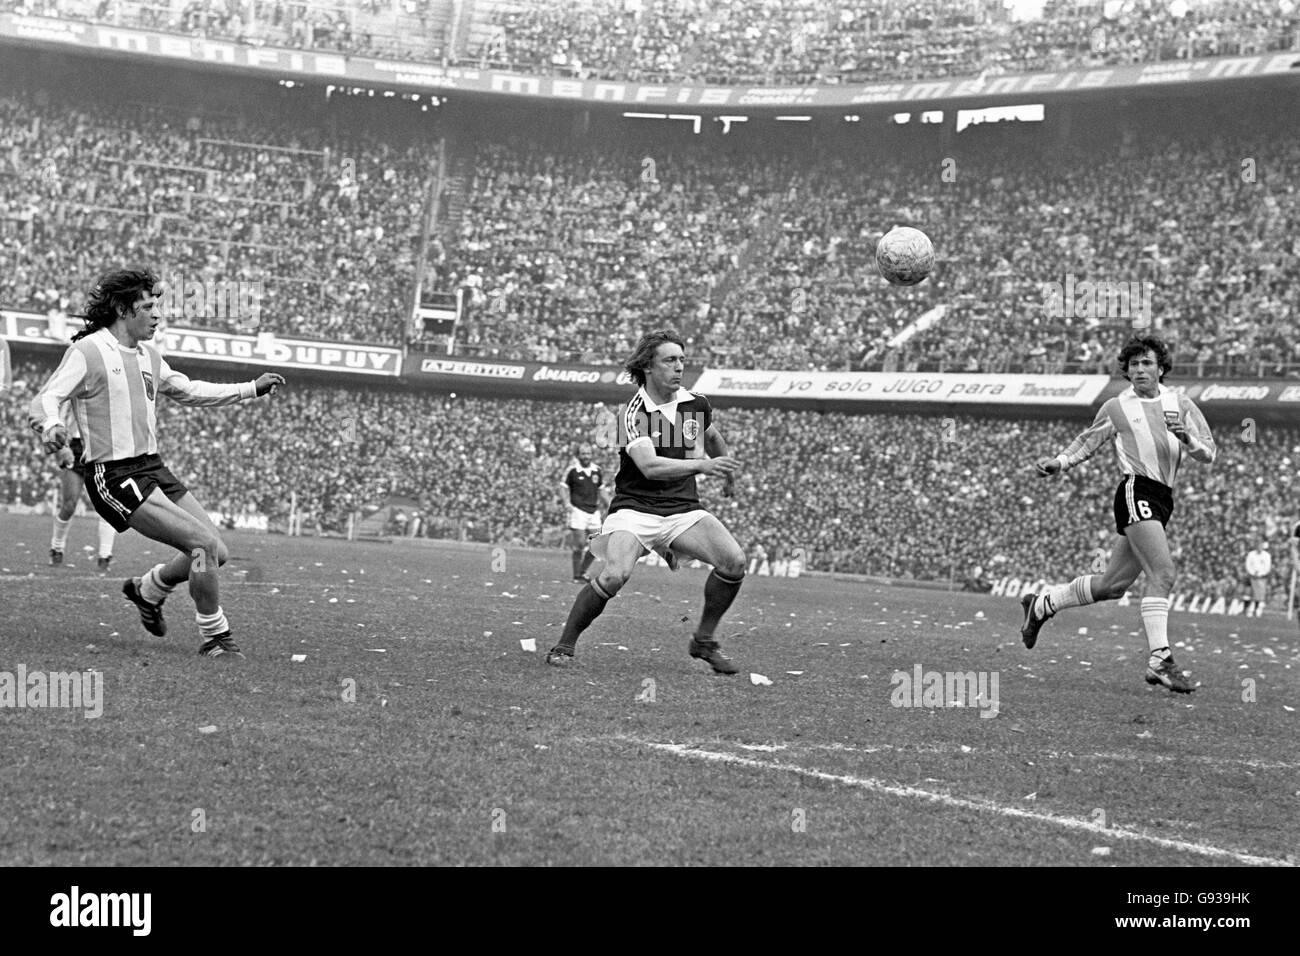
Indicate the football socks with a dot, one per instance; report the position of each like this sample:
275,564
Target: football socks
106,537
591,600
719,592
210,625
1155,619
151,587
1060,596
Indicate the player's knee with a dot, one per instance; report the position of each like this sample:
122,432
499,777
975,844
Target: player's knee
732,566
209,550
1163,577
611,580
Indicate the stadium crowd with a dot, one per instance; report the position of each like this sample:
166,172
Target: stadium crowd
891,495
322,226
729,41
767,261
757,42
761,258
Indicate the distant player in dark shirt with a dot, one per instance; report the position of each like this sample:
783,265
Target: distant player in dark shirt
667,437
581,492
1295,567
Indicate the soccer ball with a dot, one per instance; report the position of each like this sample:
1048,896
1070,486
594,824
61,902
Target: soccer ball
904,255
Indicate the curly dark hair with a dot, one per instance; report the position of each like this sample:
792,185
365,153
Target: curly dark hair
114,290
645,352
1140,344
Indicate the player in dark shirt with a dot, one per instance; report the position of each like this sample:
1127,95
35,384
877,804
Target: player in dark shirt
581,492
1295,567
667,437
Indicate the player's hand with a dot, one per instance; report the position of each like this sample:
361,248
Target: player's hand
1047,466
55,438
724,465
1180,432
64,458
268,383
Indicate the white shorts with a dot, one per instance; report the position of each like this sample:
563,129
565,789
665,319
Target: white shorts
580,520
655,532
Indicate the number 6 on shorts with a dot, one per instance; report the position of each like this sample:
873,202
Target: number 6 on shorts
1144,509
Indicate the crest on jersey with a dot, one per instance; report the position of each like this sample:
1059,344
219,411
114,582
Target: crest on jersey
691,429
148,384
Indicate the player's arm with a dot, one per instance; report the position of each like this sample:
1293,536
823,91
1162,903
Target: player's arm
1086,444
6,370
186,391
566,500
1194,432
716,447
642,452
714,444
44,411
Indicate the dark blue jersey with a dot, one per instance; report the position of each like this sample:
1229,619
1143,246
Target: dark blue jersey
675,430
584,485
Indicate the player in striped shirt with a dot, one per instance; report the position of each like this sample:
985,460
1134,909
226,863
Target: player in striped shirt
667,438
71,462
112,375
1152,429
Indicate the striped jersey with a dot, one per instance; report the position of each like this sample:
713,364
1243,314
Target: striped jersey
676,430
68,416
1143,442
113,391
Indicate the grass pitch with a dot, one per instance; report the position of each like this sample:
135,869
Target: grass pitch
419,731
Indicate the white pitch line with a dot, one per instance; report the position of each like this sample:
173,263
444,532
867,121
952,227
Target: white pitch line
1053,755
893,790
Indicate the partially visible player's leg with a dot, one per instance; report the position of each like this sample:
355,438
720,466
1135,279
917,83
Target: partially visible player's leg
184,525
1151,545
577,542
1119,576
622,551
710,541
69,492
1086,589
106,538
204,585
588,556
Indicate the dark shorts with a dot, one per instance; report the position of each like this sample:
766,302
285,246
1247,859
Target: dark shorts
1140,499
78,450
118,488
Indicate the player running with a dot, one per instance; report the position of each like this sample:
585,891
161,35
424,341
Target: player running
71,482
582,492
112,376
665,434
1152,428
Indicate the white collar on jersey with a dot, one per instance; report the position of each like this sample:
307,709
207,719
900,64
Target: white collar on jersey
682,395
109,341
1161,391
